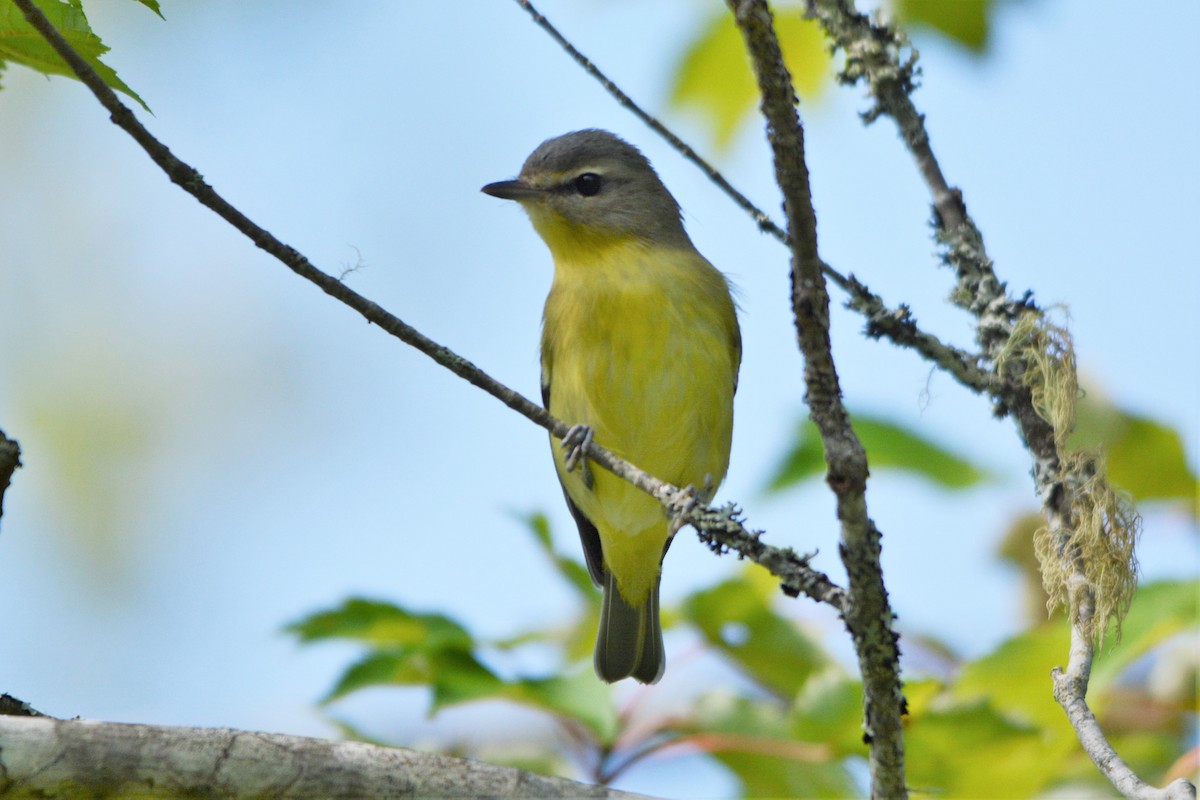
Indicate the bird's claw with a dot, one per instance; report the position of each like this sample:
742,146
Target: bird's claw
681,505
575,445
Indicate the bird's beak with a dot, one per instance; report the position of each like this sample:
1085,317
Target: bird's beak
512,190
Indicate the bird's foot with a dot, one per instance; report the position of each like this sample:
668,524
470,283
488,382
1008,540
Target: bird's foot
575,445
681,505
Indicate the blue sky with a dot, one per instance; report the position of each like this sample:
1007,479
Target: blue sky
214,448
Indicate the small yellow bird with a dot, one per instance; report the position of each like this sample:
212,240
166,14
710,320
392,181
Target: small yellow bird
640,350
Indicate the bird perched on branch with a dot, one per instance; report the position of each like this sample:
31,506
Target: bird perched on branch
640,351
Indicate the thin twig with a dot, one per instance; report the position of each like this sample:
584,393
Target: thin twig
868,613
721,529
1070,690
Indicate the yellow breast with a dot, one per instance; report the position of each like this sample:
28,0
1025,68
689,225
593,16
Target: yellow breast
641,345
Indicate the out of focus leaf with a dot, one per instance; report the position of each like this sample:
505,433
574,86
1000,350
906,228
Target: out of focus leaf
378,622
579,696
754,739
973,751
829,709
1145,458
1159,611
1015,677
454,676
889,445
962,21
737,620
715,78
20,43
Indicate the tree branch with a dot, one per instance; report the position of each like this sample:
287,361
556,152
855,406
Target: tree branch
1035,381
721,529
867,613
47,758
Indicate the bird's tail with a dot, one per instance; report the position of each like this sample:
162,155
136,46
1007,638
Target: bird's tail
629,643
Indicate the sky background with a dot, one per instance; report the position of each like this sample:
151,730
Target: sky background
213,448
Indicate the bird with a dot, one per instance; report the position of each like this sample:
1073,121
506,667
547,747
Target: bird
640,352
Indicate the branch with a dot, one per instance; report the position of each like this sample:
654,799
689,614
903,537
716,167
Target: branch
46,758
1086,548
1070,690
719,528
868,614
898,325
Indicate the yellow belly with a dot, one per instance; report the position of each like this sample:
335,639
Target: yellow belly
643,349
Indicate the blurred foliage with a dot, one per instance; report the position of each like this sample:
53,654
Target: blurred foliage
889,445
1145,457
713,76
21,44
790,723
964,22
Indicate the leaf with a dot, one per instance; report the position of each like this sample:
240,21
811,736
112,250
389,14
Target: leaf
714,76
973,751
378,622
889,445
962,21
736,619
1159,611
754,739
22,44
830,709
453,675
153,6
1145,458
1015,677
578,696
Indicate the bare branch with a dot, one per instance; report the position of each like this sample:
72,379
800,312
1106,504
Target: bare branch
868,614
46,757
1070,690
719,527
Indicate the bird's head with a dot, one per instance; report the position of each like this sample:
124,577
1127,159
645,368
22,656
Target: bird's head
590,188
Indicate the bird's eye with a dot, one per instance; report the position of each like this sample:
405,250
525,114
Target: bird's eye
588,184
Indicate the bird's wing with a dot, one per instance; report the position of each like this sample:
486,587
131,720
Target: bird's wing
590,537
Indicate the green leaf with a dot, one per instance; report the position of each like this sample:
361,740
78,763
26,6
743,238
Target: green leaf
377,622
830,709
1015,677
737,620
974,751
754,739
1159,611
153,6
22,44
1145,458
889,445
453,675
579,696
962,21
714,75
